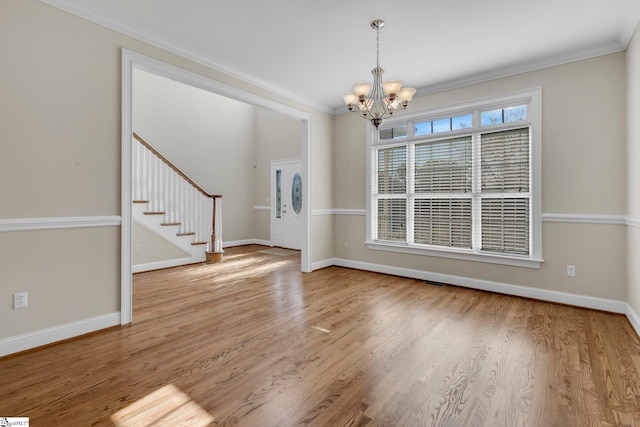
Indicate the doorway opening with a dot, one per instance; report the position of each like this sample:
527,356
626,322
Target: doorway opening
132,60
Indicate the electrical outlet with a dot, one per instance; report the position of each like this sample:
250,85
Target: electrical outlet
137,249
345,245
20,300
571,271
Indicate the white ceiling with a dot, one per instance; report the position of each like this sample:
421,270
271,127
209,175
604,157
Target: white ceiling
314,51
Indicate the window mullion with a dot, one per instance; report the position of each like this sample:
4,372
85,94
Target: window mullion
410,192
476,185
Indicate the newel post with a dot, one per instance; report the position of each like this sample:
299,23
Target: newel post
216,232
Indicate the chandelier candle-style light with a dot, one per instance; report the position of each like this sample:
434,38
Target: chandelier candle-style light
376,103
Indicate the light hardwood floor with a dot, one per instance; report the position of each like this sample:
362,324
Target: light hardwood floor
254,342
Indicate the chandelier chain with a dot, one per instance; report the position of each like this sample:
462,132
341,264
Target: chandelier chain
378,47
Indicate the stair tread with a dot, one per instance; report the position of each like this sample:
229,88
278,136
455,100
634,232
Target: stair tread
140,201
166,224
154,213
185,234
198,243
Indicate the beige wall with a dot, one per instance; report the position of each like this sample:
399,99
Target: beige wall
60,124
277,137
583,172
153,248
70,275
633,168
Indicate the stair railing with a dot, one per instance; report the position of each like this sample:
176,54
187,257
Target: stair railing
170,192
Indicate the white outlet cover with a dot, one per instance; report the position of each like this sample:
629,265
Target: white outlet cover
20,300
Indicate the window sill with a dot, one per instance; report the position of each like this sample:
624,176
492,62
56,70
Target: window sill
456,254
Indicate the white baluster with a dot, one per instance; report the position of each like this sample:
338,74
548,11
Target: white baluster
135,150
218,231
144,173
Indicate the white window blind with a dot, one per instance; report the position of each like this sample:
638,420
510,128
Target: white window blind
443,166
443,222
505,175
505,161
392,219
505,226
391,189
392,170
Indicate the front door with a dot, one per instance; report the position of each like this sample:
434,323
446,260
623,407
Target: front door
288,203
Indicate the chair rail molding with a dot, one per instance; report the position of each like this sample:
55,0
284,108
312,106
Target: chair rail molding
58,223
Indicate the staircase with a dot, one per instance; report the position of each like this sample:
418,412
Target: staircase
173,207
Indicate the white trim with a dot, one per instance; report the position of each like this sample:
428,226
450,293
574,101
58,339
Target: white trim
244,242
167,263
53,334
317,212
339,212
538,64
324,264
576,300
632,221
633,317
56,223
359,212
546,217
457,254
116,24
585,218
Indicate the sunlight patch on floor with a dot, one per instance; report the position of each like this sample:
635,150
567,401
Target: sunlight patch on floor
167,406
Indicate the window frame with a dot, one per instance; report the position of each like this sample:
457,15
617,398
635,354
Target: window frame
531,97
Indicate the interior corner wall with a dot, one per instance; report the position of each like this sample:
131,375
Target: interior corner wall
60,120
633,172
583,174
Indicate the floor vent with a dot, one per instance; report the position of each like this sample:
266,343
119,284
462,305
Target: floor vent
430,282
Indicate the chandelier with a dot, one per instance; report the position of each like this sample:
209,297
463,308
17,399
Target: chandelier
381,100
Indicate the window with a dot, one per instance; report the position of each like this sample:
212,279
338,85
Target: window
459,183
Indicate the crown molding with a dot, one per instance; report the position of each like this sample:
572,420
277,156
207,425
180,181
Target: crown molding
96,16
524,67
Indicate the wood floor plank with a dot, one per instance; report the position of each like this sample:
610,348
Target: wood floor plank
252,341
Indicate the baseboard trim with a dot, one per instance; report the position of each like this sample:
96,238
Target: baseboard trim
323,264
46,336
246,242
577,300
168,263
634,319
